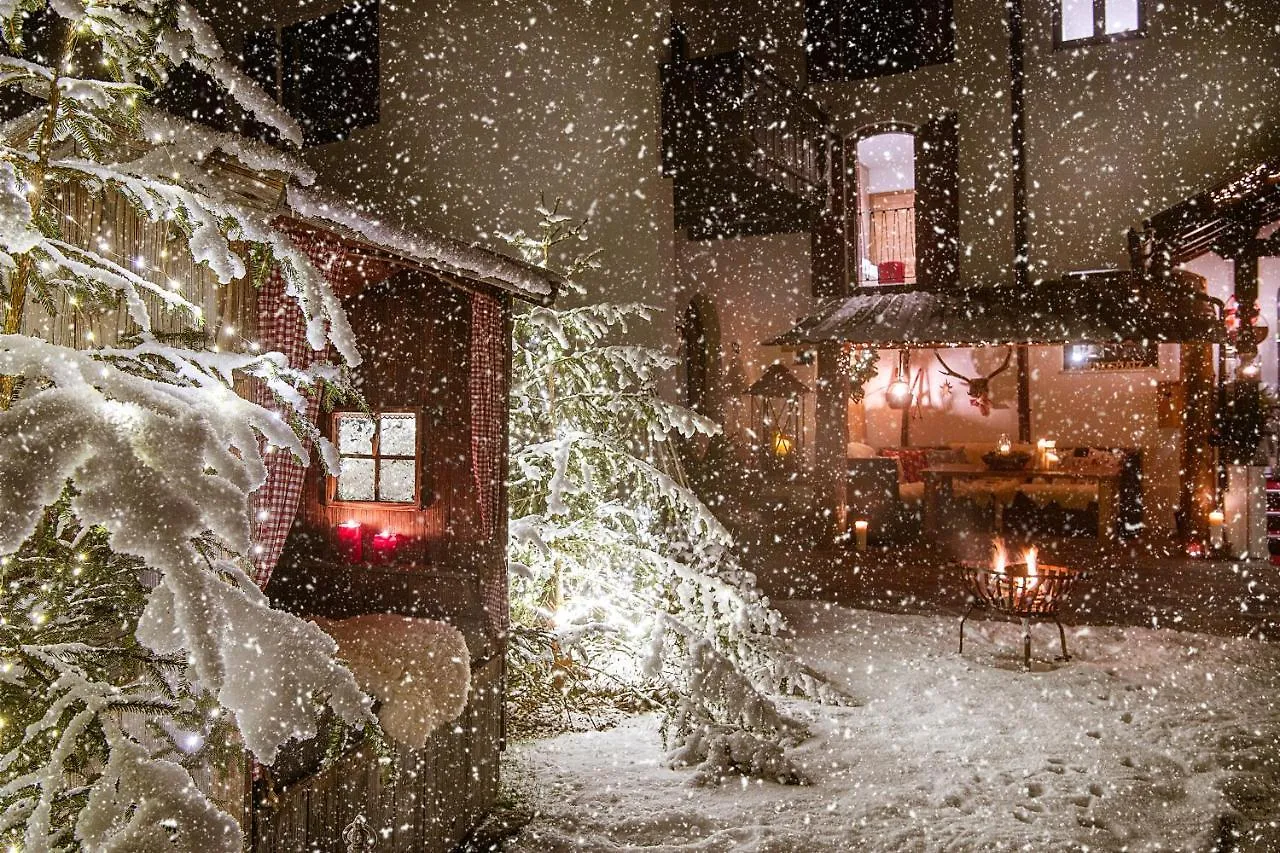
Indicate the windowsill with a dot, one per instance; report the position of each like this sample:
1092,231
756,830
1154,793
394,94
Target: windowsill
1098,41
388,506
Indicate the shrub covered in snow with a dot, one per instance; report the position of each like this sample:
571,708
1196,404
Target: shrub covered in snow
624,583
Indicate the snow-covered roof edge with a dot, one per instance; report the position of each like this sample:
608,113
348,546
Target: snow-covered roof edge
425,248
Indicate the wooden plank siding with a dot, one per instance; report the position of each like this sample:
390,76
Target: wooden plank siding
435,797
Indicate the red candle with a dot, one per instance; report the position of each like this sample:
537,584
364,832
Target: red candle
384,546
349,541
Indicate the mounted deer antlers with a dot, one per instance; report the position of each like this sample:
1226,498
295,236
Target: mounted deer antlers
979,386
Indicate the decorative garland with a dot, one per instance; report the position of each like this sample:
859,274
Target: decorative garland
859,364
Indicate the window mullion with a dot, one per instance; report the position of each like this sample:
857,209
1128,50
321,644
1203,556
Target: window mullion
376,444
1099,19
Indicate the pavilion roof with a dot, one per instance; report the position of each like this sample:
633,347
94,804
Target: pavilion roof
1098,309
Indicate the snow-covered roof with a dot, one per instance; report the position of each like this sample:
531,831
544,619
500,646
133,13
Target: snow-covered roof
1055,312
1220,215
279,184
424,248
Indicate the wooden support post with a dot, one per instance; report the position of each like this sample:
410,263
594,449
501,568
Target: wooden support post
1195,499
1021,217
831,428
1024,394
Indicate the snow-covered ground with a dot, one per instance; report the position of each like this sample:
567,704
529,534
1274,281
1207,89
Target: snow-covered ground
1148,740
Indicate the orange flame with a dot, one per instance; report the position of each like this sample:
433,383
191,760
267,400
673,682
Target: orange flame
999,556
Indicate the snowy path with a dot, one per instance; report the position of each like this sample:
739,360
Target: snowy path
1147,739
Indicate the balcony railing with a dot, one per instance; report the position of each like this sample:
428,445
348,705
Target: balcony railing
747,150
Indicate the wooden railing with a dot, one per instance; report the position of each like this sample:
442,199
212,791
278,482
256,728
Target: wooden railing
785,132
892,237
746,149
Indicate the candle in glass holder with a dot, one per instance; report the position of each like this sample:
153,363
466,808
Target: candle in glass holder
350,543
384,546
1050,459
1045,447
860,534
1004,446
1216,529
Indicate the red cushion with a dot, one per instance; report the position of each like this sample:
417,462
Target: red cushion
891,272
912,460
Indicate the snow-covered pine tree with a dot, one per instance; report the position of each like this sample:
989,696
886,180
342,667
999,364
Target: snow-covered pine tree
130,631
620,574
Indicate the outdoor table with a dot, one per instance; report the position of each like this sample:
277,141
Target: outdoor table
939,481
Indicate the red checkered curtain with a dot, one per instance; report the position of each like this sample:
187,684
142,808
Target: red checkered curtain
282,328
488,390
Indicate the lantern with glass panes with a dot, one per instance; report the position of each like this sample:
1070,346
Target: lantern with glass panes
777,414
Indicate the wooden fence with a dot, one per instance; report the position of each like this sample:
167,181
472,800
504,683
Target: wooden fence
428,803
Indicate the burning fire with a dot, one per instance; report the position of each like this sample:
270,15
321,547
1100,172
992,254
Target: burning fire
1030,558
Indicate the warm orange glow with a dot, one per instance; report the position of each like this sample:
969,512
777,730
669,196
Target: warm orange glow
782,445
999,556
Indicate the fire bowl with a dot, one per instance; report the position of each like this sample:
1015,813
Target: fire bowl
1014,592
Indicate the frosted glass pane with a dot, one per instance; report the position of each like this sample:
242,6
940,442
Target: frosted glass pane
399,435
355,483
1077,19
1122,16
355,434
397,480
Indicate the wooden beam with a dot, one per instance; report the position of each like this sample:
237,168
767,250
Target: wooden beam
1197,487
831,428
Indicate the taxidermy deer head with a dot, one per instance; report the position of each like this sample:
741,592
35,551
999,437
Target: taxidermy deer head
979,386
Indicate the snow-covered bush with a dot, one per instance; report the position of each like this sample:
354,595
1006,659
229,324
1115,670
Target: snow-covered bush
624,583
130,633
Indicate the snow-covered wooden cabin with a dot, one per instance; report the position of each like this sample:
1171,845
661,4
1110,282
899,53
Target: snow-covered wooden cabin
413,526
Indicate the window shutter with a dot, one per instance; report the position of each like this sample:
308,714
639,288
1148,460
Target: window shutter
829,265
937,203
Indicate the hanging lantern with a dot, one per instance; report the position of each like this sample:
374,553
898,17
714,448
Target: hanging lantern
898,395
777,402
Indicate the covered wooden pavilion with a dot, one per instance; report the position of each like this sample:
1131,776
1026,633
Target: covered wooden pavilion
1100,308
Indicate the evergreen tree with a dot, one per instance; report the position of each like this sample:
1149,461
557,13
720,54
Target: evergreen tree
624,583
131,635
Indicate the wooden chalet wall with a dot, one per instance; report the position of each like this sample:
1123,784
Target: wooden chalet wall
416,334
420,340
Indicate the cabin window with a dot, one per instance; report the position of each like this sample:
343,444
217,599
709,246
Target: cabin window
1129,355
324,71
1085,22
860,39
380,457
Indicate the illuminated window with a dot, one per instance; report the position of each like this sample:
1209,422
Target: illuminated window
1084,22
1123,356
379,456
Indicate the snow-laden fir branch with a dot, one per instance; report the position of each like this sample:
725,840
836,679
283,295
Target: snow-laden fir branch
133,644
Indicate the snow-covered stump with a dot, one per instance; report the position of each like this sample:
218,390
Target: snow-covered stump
423,800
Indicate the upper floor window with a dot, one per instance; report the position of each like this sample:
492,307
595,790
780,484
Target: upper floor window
1084,22
902,214
886,193
859,39
323,71
380,457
